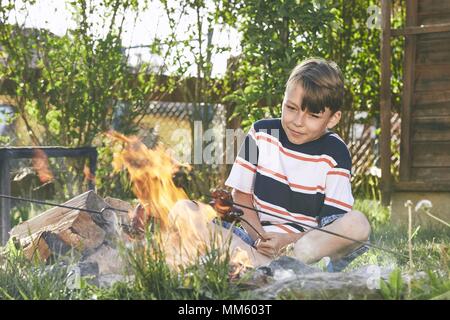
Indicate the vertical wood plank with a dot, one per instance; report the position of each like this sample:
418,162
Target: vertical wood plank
408,90
385,101
5,204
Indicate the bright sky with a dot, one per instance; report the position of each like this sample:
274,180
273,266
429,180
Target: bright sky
55,16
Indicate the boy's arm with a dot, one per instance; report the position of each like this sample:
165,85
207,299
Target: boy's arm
275,242
338,189
249,215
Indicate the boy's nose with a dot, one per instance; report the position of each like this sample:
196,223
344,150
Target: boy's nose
299,119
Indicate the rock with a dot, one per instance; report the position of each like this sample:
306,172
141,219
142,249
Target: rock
108,260
290,278
108,280
85,270
289,263
88,268
280,268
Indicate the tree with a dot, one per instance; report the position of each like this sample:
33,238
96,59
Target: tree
197,40
277,35
68,90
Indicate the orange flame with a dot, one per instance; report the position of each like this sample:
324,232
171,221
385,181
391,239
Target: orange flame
185,231
40,165
151,174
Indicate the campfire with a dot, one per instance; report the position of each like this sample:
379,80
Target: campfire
183,229
186,229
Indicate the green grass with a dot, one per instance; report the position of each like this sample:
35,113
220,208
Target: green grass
431,249
431,255
209,277
32,280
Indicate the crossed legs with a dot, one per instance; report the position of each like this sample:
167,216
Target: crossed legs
315,245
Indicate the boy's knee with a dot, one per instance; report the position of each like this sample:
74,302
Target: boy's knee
305,252
360,226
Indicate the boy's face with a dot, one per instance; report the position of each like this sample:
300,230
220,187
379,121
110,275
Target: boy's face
302,126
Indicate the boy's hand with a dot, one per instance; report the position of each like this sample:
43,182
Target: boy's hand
275,242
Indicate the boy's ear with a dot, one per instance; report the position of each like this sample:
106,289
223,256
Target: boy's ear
334,120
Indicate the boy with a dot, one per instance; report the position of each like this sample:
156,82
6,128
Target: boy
295,167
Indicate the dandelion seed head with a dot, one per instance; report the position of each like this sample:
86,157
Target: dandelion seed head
423,205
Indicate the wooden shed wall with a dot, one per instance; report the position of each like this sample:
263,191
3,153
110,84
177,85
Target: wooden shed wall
429,131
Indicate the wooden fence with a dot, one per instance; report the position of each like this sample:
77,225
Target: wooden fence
366,156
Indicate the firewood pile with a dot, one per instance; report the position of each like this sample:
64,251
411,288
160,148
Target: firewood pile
90,238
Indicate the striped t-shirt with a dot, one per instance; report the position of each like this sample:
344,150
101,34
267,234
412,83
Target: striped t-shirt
301,182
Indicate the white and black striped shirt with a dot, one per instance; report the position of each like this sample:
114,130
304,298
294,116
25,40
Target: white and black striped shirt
301,182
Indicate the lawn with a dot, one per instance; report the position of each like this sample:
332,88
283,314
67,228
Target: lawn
153,279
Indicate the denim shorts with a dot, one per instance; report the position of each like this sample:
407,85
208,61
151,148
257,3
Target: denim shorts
324,221
240,232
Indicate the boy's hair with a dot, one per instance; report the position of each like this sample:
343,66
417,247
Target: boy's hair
322,82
